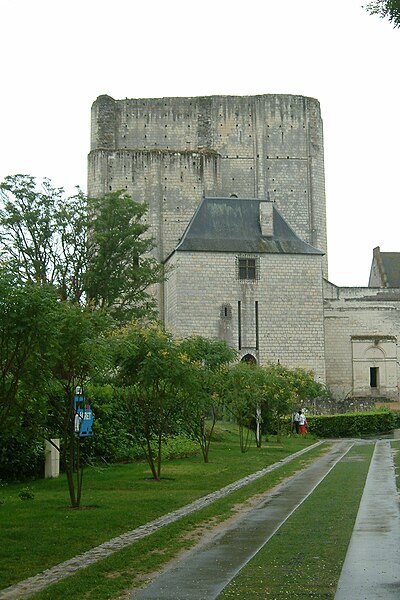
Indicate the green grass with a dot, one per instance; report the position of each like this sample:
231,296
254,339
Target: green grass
304,558
39,533
129,568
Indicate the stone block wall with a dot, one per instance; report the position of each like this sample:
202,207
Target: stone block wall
279,316
362,330
169,152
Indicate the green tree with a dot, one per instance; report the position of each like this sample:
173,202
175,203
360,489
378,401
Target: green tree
91,250
386,9
208,357
278,395
28,316
240,398
82,352
152,372
119,268
43,234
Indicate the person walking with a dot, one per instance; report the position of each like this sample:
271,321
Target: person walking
302,423
295,421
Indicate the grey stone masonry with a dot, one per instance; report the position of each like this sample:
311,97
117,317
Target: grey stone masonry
169,152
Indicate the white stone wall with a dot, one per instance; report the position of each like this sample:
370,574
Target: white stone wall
286,297
362,328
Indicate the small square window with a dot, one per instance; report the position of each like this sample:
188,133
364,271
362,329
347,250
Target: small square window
247,268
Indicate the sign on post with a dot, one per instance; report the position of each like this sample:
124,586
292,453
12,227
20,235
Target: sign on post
83,416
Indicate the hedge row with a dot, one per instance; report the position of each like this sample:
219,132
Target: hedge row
358,424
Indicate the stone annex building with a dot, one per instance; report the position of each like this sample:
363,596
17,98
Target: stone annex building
236,194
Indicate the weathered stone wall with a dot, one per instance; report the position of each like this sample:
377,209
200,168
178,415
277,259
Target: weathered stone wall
330,406
279,316
362,329
169,152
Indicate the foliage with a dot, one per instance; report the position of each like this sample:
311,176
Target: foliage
21,454
352,424
241,393
82,351
91,250
119,269
43,234
26,494
27,336
389,9
207,358
151,372
280,389
178,446
259,397
111,441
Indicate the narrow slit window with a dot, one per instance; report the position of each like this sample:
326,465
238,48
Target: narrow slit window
373,377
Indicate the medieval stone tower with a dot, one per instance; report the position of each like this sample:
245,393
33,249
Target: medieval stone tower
236,195
171,152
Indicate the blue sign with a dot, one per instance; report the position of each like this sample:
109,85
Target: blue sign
83,417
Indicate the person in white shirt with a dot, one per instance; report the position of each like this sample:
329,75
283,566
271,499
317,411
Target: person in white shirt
302,423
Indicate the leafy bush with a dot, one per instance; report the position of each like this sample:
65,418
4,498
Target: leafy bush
21,456
396,419
351,424
178,446
26,494
111,441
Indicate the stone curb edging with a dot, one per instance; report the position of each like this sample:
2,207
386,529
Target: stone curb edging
38,582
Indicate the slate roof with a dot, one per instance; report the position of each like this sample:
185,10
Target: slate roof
385,269
232,225
391,266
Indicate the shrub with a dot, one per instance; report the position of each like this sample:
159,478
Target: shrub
178,446
351,424
21,456
26,494
111,441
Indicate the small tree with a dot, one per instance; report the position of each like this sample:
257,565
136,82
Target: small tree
240,398
207,357
153,373
278,395
82,351
28,317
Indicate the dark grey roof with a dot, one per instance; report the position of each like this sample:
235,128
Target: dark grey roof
391,266
233,225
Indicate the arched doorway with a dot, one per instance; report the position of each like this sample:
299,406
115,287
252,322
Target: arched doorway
250,359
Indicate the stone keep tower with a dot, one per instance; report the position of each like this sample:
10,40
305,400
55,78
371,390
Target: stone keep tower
170,152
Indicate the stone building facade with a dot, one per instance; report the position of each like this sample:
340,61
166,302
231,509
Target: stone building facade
236,194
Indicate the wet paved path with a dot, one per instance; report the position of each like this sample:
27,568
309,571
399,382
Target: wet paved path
371,570
205,571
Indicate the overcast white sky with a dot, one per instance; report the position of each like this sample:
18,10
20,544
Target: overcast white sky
58,56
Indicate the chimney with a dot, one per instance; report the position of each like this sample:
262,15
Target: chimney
266,218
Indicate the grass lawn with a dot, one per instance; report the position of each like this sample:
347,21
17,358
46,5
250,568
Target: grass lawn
42,532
